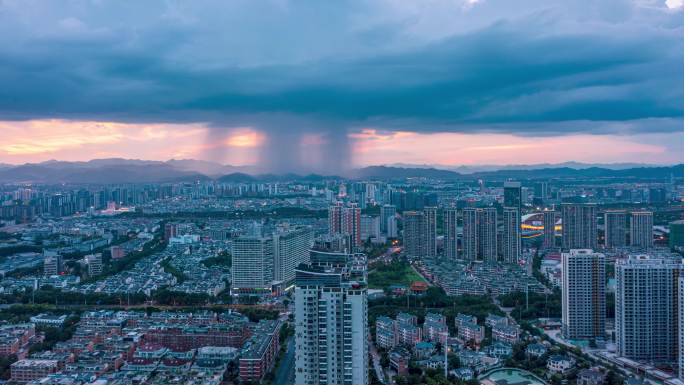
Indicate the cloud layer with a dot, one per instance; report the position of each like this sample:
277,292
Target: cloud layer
296,69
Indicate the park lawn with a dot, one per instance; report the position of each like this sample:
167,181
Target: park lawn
396,273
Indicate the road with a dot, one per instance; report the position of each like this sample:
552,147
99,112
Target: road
506,310
386,257
593,354
422,276
555,336
376,363
285,373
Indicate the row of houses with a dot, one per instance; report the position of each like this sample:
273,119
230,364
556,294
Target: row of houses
201,344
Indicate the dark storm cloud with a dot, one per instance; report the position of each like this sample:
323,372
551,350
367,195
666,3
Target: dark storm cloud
330,67
491,77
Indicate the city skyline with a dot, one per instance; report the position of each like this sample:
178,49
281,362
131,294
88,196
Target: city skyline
353,192
456,82
301,279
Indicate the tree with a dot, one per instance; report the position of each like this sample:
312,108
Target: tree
285,331
176,298
454,361
540,305
256,314
56,334
221,259
613,378
5,363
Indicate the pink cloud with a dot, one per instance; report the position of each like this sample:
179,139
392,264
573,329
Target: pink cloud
372,147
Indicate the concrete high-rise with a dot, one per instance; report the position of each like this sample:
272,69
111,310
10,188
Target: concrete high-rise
615,222
641,229
52,264
94,262
170,231
541,190
290,249
487,243
451,233
584,294
677,235
513,202
549,221
430,231
420,232
513,195
680,326
657,195
370,227
511,235
386,211
646,309
335,219
415,244
470,234
579,226
479,234
252,268
351,223
392,230
331,327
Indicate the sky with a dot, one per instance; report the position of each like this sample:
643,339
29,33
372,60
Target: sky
329,85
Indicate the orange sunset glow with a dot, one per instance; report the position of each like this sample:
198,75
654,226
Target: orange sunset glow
40,140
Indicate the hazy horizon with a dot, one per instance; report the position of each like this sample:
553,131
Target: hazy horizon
389,164
183,167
